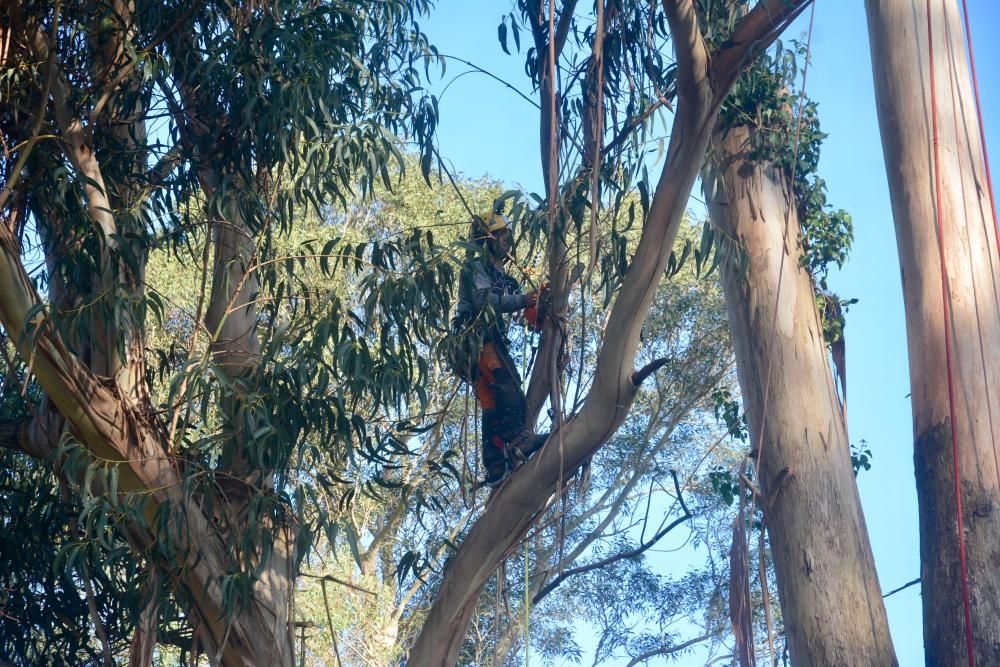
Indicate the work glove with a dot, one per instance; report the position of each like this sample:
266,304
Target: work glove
537,308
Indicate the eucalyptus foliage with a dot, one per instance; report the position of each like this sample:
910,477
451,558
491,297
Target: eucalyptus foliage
201,118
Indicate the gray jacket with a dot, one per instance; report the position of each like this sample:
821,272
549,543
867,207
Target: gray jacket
481,283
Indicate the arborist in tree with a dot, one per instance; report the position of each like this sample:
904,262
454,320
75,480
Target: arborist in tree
487,296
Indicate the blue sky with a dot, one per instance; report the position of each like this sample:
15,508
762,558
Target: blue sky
486,128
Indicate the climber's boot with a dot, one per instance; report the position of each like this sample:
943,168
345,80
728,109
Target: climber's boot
523,445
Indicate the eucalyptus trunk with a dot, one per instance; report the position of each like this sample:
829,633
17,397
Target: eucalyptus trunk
829,590
898,30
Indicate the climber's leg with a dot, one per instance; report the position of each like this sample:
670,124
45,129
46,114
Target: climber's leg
507,441
485,387
495,461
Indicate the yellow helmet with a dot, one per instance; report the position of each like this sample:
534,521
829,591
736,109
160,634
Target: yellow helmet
494,222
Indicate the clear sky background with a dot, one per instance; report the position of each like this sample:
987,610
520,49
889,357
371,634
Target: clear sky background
487,129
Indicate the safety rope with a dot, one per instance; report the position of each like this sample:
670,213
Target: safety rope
979,113
983,354
947,314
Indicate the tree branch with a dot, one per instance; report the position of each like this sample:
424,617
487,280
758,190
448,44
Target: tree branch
640,375
752,35
126,70
630,553
36,126
514,508
689,45
902,588
667,650
563,26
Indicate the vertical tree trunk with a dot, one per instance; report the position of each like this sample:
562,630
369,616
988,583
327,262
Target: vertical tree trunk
899,41
829,589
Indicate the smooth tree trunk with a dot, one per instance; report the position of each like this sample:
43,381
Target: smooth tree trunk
898,30
829,590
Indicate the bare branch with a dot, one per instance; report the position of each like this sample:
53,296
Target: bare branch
331,578
630,553
902,588
667,650
640,375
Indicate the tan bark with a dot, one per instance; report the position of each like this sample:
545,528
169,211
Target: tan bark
702,83
899,42
830,596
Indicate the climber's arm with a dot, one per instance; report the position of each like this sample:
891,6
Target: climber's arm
483,293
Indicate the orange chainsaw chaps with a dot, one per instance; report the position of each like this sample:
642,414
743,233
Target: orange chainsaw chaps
489,361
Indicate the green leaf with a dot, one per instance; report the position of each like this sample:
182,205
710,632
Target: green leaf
502,36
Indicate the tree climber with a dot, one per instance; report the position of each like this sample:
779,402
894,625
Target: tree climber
487,294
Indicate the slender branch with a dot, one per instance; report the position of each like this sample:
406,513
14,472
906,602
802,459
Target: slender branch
902,588
329,620
330,577
632,123
597,132
493,76
667,650
630,553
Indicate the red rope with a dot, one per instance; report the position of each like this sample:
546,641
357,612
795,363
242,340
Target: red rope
979,112
946,306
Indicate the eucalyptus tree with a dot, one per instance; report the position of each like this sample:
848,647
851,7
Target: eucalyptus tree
946,235
622,74
135,128
770,208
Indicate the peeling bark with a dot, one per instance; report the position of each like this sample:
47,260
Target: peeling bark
899,42
826,577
